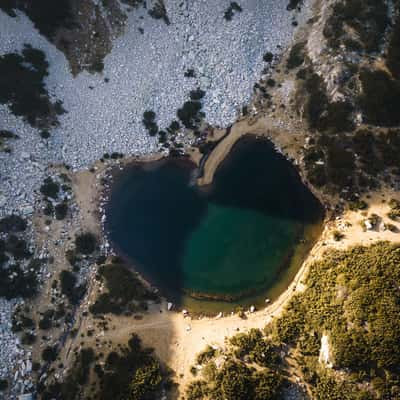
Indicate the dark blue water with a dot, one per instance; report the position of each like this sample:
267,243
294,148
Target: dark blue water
226,241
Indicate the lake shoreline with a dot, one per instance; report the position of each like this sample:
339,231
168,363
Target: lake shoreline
257,294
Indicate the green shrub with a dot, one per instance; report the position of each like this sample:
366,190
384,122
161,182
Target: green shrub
125,291
343,287
190,114
380,98
49,354
61,210
296,56
50,188
22,86
337,236
12,223
205,356
69,288
86,243
15,282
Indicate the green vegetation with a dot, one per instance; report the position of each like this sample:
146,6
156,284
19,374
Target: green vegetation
322,115
125,292
50,188
206,355
256,347
49,354
69,287
337,236
18,276
22,87
353,298
380,98
393,51
190,114
3,384
17,282
132,373
149,122
357,24
268,57
12,223
158,11
358,204
236,378
293,4
70,389
233,8
47,15
296,56
61,210
394,212
5,137
359,161
86,243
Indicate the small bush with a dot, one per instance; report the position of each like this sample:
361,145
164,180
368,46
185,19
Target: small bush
61,210
86,243
49,354
338,236
68,283
296,56
268,57
50,188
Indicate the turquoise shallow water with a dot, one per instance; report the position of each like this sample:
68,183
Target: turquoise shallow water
226,241
233,251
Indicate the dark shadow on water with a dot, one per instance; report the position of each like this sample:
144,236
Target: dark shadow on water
154,210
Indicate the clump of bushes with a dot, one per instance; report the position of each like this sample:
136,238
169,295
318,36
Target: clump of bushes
125,291
337,236
233,8
256,347
49,353
190,114
85,243
237,381
367,18
268,57
47,16
394,212
50,188
206,355
69,287
131,373
357,204
237,378
380,98
341,301
149,122
61,210
17,282
22,87
159,12
12,223
296,56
